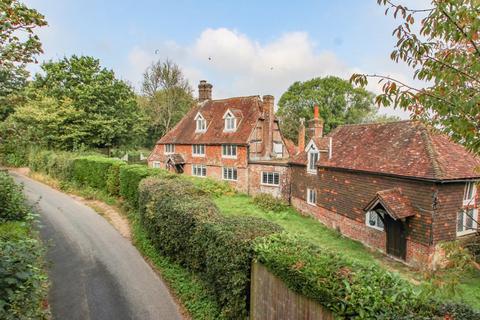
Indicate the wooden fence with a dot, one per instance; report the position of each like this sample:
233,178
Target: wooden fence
271,299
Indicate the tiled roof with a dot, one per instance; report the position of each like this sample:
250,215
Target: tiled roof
175,158
405,148
247,110
397,205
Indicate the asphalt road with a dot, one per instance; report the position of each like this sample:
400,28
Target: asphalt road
94,271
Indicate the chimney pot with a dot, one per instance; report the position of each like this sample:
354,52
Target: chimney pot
204,91
301,135
316,113
315,127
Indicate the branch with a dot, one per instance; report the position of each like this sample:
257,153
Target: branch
392,5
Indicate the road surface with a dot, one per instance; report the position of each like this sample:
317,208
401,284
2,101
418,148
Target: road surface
94,271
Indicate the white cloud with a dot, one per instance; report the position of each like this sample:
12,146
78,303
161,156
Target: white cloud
237,65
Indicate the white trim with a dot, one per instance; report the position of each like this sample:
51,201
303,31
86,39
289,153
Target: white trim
233,170
311,145
156,164
231,146
367,221
464,219
308,197
198,155
197,167
229,116
273,173
169,152
468,187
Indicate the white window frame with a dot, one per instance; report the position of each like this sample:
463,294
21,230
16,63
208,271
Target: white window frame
309,198
377,219
266,174
229,173
169,148
198,150
230,122
156,164
278,148
311,154
228,151
199,168
469,208
200,123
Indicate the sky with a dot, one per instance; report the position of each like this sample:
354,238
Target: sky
241,47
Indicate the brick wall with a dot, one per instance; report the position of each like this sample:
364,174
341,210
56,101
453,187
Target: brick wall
255,185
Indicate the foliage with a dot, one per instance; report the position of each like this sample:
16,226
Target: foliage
130,177
56,164
349,290
12,201
14,147
267,202
96,172
75,103
184,224
211,186
457,311
338,101
442,46
166,98
13,79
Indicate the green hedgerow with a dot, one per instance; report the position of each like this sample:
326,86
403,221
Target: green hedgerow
12,200
267,202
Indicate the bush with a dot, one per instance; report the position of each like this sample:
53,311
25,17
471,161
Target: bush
184,224
348,289
457,311
268,202
96,172
210,186
12,201
130,177
57,164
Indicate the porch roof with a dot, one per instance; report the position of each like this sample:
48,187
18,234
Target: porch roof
397,205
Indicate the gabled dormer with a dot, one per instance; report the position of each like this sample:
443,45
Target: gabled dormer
230,121
200,123
313,154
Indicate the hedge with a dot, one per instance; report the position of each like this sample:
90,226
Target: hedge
348,289
12,201
97,172
57,164
184,224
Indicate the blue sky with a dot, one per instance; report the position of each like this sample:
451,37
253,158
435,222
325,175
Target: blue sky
241,47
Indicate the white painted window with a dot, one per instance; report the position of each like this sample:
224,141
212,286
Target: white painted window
470,193
312,161
156,164
312,197
200,123
278,149
230,174
169,148
467,217
271,178
230,122
198,150
229,151
199,170
374,220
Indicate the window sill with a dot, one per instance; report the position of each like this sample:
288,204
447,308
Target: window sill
169,153
230,180
375,228
270,185
198,155
199,176
312,172
466,233
311,204
202,131
227,157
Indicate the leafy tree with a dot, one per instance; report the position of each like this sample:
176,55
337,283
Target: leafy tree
338,100
167,97
76,103
18,46
441,44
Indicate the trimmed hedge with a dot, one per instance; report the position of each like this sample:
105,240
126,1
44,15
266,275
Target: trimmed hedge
12,201
184,224
96,172
55,164
348,289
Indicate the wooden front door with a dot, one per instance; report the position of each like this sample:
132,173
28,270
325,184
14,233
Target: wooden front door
396,238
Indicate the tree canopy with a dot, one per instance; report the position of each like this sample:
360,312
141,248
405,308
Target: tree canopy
441,45
75,103
339,103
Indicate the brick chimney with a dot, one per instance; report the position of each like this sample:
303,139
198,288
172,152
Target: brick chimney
204,91
268,108
301,135
315,127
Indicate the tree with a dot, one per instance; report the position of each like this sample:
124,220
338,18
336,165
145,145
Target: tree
441,44
338,101
76,103
167,97
18,46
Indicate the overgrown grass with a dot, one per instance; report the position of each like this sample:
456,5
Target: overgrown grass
315,232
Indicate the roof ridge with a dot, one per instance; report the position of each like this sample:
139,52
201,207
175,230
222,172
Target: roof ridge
374,123
231,98
431,152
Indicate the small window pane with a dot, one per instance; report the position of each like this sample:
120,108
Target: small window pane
460,221
469,219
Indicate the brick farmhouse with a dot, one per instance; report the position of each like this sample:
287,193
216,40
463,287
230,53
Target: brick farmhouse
397,187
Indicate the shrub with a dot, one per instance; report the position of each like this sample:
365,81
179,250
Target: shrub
210,186
57,164
130,177
94,171
268,202
183,223
12,201
457,311
113,178
348,289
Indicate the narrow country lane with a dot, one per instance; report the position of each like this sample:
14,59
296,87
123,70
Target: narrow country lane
95,272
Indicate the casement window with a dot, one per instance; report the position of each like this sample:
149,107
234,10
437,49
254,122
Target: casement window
230,122
229,151
156,164
201,123
374,220
230,174
169,148
312,161
467,217
278,149
198,150
199,170
312,197
271,178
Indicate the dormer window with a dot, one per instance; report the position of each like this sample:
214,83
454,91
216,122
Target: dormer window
201,123
312,157
230,122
